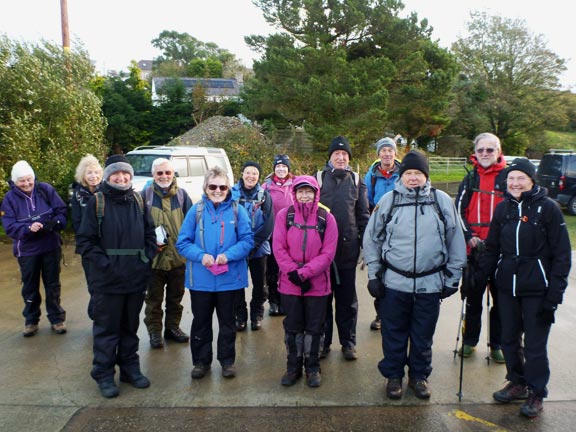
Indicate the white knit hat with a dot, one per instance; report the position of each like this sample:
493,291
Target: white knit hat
22,169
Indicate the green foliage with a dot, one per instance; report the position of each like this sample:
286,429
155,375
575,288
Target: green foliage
127,105
184,55
49,113
508,82
348,67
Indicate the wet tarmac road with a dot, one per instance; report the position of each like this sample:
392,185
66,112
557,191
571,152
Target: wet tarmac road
45,383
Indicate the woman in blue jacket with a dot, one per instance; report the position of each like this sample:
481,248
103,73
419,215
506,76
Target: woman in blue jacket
215,238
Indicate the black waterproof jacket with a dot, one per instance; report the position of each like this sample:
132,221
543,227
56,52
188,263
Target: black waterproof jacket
529,247
115,266
344,193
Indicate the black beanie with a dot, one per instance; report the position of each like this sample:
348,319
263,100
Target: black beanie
281,159
116,163
340,143
252,164
524,165
415,160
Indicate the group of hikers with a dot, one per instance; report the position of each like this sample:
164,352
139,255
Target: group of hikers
301,238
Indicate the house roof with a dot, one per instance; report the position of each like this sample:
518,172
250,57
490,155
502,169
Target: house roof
212,86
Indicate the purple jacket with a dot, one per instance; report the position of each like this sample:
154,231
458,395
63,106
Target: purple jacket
316,257
19,211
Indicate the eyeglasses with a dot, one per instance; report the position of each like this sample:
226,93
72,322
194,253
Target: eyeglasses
163,172
213,187
488,150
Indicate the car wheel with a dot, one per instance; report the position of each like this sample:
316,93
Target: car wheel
571,209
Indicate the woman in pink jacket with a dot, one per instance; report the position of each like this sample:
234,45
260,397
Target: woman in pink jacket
279,185
305,239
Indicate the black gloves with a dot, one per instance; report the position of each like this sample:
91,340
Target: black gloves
546,313
447,292
376,288
50,225
295,279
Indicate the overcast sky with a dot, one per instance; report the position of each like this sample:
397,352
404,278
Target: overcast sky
117,31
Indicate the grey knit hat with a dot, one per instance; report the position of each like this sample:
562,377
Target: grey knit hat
117,163
385,142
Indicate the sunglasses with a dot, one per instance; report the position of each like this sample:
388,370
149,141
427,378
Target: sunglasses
213,187
488,150
163,172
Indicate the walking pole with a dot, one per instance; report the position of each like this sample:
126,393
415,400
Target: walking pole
462,319
460,330
488,325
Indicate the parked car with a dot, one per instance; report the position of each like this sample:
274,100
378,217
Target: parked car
557,173
190,164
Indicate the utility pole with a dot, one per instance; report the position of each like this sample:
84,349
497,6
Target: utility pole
64,19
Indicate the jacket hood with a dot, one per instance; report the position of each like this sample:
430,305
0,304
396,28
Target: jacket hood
306,180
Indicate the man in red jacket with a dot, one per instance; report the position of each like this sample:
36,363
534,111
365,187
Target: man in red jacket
479,193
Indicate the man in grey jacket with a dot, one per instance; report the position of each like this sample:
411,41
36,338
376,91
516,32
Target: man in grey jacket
415,250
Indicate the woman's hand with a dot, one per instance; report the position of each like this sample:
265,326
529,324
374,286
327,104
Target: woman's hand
207,260
221,259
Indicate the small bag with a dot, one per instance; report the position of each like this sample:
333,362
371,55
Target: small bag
217,269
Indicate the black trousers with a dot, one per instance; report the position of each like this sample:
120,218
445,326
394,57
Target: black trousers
47,267
116,318
303,330
346,308
525,342
172,283
272,271
257,267
473,323
201,335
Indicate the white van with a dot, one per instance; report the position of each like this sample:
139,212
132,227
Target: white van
190,165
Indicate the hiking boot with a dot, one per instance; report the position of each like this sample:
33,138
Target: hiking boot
349,353
290,378
511,392
137,380
229,371
420,387
497,355
313,379
532,407
59,328
394,388
156,340
176,334
199,371
273,311
30,330
466,351
108,389
324,352
376,324
240,325
256,324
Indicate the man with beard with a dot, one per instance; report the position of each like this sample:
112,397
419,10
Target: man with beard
479,193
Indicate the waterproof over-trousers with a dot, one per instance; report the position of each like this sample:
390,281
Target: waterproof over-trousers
47,267
474,318
116,318
345,306
201,334
408,326
524,342
257,267
303,327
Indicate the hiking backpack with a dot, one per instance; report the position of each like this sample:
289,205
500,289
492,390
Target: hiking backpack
200,219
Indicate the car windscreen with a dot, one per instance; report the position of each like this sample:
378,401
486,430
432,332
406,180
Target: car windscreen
550,165
142,163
